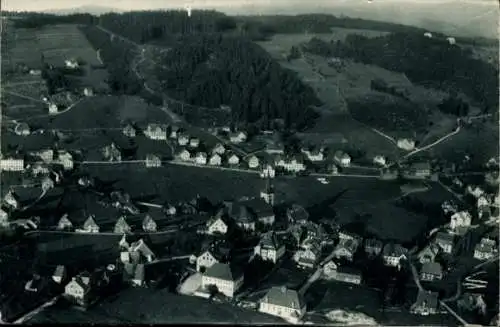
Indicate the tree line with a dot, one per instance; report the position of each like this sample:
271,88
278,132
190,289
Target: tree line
429,62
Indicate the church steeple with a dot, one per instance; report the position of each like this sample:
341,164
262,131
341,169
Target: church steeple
268,192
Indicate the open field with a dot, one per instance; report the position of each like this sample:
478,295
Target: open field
139,305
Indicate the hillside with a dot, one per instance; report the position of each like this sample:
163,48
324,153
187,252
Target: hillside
213,70
430,62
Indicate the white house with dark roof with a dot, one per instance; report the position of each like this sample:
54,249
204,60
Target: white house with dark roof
346,249
194,142
201,158
89,226
64,224
308,254
65,159
12,164
60,274
393,254
283,302
233,159
290,164
253,162
261,209
431,271
379,160
53,108
214,254
129,130
445,241
218,224
244,218
182,139
348,275
270,247
184,155
238,137
224,276
79,289
11,199
342,159
219,149
152,161
215,160
4,217
156,132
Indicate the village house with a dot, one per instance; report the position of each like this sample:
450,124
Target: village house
393,254
22,129
270,247
65,159
53,108
64,224
419,170
215,160
182,139
268,171
12,164
290,164
308,254
238,137
151,225
88,92
379,160
218,224
244,218
129,130
134,274
486,249
194,142
156,132
346,248
342,158
428,253
330,269
201,158
451,40
347,275
261,210
225,277
406,144
11,199
174,131
314,232
215,254
253,162
219,149
373,247
184,155
152,161
79,289
426,303
431,271
460,220
135,252
233,160
445,241
283,302
71,63
60,275
112,153
127,225
314,155
297,214
89,226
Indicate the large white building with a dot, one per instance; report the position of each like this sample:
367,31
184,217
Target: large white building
270,248
224,277
283,302
12,164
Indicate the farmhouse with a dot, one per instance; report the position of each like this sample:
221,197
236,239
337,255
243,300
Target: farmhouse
194,142
129,130
153,161
225,277
215,160
238,137
342,158
297,214
290,164
22,129
406,144
346,249
89,226
127,225
431,271
182,140
12,164
233,160
445,241
393,254
308,254
379,160
486,249
79,289
65,159
314,154
219,149
53,108
156,132
137,253
151,225
283,302
348,275
261,209
215,254
112,153
253,162
419,170
201,158
268,171
184,155
218,224
270,247
64,224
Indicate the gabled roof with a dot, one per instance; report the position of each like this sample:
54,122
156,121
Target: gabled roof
284,297
432,268
445,237
141,247
224,271
270,240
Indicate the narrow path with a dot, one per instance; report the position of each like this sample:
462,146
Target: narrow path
23,96
429,146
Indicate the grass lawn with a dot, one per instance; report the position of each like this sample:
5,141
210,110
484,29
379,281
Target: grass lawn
138,305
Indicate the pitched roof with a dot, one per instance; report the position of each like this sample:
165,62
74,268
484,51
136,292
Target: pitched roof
282,296
394,250
297,212
270,240
432,268
223,271
445,237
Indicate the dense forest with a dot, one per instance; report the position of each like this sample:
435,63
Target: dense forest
213,70
431,62
37,20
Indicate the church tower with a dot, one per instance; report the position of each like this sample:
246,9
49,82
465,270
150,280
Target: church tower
268,192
